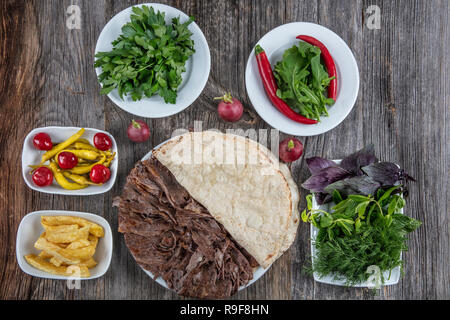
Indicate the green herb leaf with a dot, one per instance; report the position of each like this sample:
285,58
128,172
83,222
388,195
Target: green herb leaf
361,209
337,198
304,216
325,221
346,226
309,201
358,198
358,225
387,193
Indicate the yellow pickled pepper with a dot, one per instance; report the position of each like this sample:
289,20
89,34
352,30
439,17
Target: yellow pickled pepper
61,146
62,181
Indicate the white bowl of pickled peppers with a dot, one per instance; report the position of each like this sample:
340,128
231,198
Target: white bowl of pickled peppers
32,158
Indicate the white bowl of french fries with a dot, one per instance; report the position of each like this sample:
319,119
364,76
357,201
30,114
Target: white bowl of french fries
33,158
57,244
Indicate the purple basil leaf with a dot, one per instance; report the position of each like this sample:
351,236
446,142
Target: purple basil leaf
405,177
317,182
322,197
355,185
386,173
361,158
315,164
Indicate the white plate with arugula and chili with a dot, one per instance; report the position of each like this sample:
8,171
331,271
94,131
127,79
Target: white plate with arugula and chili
152,60
302,79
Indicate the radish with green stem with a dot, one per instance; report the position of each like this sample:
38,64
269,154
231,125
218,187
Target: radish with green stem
230,109
290,149
138,131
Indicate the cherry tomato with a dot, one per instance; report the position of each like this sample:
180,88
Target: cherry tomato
42,141
102,141
67,160
100,174
42,177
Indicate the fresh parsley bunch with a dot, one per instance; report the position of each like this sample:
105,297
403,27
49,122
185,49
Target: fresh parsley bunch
148,58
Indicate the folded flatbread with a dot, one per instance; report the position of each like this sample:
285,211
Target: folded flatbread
243,186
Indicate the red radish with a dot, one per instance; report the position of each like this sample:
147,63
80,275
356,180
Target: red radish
290,149
42,177
102,141
67,160
230,109
138,131
42,141
100,174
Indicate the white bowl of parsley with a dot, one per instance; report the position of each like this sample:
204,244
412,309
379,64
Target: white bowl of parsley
152,60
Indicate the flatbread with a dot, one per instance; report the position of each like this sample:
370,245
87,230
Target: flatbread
295,197
242,185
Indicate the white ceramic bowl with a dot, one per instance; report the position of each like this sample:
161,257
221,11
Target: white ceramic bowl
275,43
258,273
30,229
391,278
32,156
194,79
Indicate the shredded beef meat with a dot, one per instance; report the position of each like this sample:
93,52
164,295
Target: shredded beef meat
173,236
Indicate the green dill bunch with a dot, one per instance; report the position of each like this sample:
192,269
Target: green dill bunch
348,257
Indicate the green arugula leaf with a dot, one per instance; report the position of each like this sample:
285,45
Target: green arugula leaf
302,80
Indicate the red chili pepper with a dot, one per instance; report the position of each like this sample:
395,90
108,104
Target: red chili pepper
265,70
329,63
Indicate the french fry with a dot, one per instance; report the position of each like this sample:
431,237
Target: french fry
55,261
69,256
61,228
81,253
45,255
94,228
67,237
93,240
89,263
79,244
54,250
46,266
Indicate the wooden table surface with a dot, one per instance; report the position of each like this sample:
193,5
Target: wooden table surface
47,78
